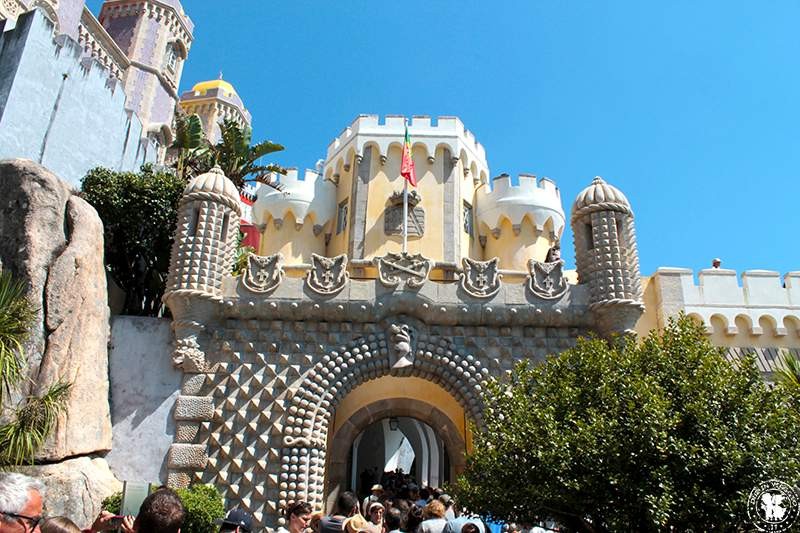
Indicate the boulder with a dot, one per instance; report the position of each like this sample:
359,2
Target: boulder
75,488
53,240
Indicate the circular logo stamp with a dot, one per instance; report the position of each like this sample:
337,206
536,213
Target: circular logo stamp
773,506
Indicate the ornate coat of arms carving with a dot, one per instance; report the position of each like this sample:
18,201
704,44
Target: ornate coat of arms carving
263,274
546,280
328,275
480,279
393,216
412,270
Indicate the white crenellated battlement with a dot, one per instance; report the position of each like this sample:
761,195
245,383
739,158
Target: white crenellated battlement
537,199
306,195
765,300
389,130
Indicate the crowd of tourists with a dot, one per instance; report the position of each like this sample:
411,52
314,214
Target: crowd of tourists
397,505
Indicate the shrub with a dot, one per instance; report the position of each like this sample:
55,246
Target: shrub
204,505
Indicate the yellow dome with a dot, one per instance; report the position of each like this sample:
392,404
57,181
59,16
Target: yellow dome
204,86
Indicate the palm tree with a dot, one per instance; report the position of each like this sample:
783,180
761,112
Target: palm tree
16,318
789,373
190,143
238,159
29,424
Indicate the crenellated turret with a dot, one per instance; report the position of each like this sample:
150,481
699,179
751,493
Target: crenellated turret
606,255
205,238
364,162
296,220
519,222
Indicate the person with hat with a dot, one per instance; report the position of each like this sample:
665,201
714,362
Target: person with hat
375,513
237,520
447,501
376,493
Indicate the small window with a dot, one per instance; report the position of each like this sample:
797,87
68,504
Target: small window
171,57
193,216
587,232
341,217
225,223
468,218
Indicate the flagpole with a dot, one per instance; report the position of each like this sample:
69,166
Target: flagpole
405,216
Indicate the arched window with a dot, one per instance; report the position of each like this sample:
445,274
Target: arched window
171,58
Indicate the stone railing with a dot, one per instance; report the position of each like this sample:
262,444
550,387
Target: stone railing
98,44
766,302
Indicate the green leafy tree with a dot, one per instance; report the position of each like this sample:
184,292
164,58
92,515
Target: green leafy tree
203,505
628,436
27,426
789,373
238,159
193,150
139,214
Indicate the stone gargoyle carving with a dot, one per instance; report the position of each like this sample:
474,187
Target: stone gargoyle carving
402,354
263,274
328,275
480,279
412,270
546,279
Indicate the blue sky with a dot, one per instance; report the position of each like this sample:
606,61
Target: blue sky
691,108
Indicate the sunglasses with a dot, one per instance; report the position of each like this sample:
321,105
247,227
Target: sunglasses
33,521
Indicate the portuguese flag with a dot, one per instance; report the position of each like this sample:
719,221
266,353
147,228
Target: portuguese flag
407,165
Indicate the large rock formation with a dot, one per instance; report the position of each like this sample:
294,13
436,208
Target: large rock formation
53,240
76,488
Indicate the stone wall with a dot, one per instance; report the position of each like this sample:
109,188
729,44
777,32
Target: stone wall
53,240
60,110
144,386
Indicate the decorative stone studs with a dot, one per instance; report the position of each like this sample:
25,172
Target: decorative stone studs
328,275
412,270
263,274
480,279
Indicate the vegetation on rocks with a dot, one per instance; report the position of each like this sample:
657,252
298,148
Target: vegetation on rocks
26,426
647,436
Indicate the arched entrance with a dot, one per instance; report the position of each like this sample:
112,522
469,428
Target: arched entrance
401,373
401,398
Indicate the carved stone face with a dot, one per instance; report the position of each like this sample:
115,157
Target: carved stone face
553,254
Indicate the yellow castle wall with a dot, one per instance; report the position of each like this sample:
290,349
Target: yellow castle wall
295,244
513,250
385,181
344,189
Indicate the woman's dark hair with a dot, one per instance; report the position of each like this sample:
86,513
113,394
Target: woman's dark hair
59,524
393,519
413,518
297,508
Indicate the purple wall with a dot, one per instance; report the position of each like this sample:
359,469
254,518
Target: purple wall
121,30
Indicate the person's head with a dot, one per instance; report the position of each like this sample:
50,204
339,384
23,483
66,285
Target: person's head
59,524
298,516
434,509
161,512
355,524
424,494
377,490
413,518
413,491
470,527
394,519
236,520
316,518
347,504
375,512
446,500
716,262
20,503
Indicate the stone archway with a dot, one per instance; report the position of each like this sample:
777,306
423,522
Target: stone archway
341,440
404,350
